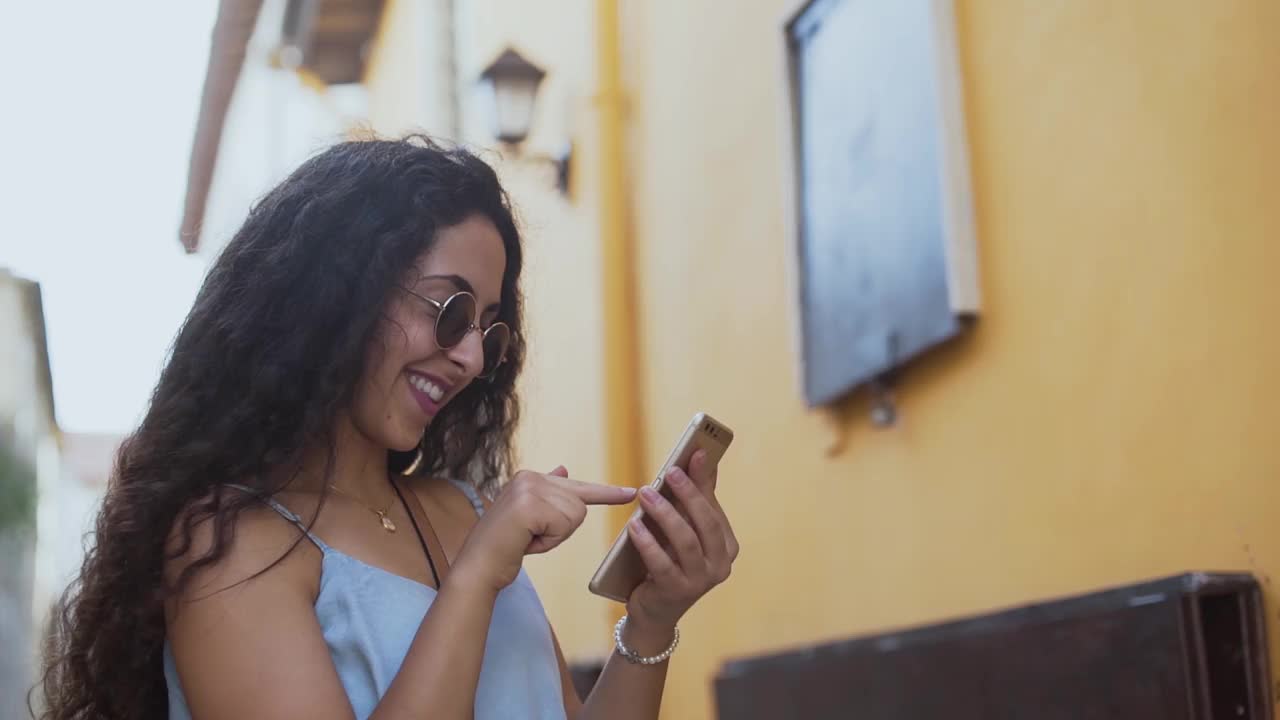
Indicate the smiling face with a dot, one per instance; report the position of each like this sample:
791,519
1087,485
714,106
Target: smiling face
408,376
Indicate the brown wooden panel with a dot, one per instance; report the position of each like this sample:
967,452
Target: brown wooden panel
1184,648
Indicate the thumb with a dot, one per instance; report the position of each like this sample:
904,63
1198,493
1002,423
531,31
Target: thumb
560,471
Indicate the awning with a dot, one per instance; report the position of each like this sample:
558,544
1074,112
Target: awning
231,33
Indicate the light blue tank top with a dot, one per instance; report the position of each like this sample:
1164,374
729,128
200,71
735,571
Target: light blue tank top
369,617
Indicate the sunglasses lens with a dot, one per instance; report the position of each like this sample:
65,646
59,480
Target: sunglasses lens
454,320
496,339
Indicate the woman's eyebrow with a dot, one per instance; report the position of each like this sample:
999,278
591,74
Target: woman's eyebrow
458,281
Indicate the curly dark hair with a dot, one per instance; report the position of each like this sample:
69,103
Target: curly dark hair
271,351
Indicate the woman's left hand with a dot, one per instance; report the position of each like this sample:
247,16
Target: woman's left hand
699,550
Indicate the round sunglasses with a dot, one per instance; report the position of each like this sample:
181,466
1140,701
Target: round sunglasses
456,318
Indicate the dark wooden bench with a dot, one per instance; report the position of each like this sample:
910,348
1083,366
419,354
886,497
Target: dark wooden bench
1190,647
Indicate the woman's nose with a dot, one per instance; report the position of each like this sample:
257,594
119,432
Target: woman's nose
469,353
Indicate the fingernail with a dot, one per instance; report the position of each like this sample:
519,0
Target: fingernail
649,494
637,526
677,477
628,491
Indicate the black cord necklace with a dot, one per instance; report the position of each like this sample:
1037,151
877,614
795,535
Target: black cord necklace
417,531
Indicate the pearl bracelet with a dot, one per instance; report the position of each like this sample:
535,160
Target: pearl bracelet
632,656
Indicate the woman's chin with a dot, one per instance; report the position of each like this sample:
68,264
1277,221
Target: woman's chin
408,441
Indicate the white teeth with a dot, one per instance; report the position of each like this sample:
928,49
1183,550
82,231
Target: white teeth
431,389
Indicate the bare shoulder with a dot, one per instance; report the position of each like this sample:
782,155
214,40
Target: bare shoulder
260,547
245,637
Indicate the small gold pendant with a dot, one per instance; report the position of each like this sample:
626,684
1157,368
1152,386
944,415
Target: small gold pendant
386,523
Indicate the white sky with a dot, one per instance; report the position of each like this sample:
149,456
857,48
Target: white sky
96,125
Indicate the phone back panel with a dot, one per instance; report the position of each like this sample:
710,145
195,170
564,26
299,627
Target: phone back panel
622,568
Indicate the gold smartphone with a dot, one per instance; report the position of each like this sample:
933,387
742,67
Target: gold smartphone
622,568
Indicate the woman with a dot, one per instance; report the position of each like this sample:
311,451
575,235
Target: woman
301,526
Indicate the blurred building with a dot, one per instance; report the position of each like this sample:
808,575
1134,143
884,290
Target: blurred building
28,454
50,486
68,504
1112,417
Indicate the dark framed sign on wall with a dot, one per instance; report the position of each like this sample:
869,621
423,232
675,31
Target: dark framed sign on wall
881,204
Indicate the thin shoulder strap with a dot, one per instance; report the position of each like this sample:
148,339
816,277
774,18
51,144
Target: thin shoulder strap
284,512
470,491
431,545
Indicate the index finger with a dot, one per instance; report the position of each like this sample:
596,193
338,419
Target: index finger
595,493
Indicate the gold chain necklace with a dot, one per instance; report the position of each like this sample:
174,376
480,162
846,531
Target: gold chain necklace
382,514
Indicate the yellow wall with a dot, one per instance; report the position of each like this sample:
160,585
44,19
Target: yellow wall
1111,419
1114,417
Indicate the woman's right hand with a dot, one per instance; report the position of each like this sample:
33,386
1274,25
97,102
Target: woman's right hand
533,513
